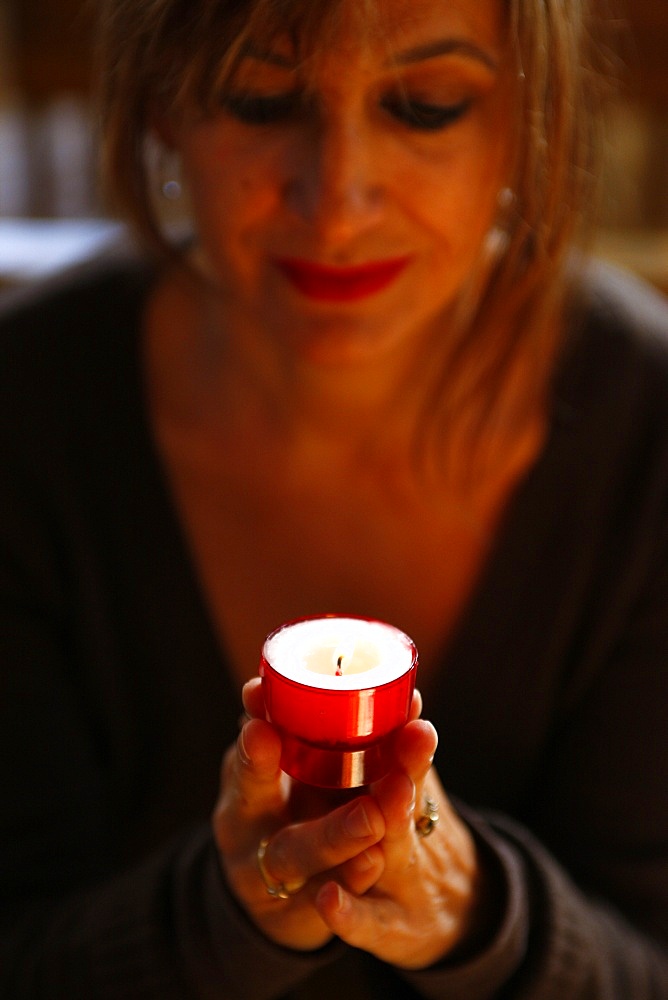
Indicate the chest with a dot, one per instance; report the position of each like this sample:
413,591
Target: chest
267,552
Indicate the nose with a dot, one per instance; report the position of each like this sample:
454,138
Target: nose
335,184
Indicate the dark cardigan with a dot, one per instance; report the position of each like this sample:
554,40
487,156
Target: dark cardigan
116,706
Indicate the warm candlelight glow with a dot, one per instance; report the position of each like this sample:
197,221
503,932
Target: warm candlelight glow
339,647
337,689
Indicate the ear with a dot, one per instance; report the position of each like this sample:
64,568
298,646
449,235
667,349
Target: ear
162,125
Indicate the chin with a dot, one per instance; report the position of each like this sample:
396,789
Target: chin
338,347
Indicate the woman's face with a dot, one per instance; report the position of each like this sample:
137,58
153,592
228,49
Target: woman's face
343,213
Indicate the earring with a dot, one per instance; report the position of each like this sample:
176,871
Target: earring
169,175
498,237
505,200
163,168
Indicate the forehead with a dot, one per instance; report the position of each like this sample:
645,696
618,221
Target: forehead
399,18
388,28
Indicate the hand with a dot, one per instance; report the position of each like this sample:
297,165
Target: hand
357,870
426,900
312,838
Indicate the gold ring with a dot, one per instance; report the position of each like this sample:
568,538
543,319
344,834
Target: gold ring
277,890
425,823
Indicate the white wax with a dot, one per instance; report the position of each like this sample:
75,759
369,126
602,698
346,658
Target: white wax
371,652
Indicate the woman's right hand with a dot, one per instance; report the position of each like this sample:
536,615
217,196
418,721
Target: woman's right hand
308,840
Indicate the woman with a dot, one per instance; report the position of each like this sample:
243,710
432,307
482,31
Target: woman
376,381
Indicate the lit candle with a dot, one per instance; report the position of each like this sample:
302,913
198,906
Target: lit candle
338,689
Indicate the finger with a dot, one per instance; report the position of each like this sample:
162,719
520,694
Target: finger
377,925
400,794
253,788
415,747
300,851
252,697
396,797
359,921
259,752
415,710
362,872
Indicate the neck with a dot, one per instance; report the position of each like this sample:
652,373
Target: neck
349,403
300,422
352,407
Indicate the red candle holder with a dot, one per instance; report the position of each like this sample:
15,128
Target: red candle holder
338,689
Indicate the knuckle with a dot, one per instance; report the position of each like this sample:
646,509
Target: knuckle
331,836
287,863
277,854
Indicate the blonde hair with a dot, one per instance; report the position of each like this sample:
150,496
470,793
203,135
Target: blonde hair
163,52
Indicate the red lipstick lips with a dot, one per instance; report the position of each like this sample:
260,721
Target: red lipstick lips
341,284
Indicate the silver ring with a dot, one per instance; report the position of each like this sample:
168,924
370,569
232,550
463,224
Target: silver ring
425,823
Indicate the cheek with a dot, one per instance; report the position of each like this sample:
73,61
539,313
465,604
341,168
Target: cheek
229,182
455,204
456,193
235,192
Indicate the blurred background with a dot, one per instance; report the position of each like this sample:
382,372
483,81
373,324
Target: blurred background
51,211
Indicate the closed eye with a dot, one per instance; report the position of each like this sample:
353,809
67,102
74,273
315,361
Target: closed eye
270,109
262,110
423,116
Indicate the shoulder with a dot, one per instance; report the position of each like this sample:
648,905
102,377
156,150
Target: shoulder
616,353
621,296
610,403
73,303
72,316
622,313
66,346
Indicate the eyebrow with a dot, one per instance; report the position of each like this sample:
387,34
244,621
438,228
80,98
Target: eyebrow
446,47
418,53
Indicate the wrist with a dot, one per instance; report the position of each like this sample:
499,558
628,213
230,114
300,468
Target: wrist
480,925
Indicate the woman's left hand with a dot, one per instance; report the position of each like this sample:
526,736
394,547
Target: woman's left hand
425,894
424,900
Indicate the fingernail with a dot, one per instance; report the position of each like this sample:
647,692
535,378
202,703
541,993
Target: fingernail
364,862
357,822
341,899
243,752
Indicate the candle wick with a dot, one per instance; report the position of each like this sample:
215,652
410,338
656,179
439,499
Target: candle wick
339,671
